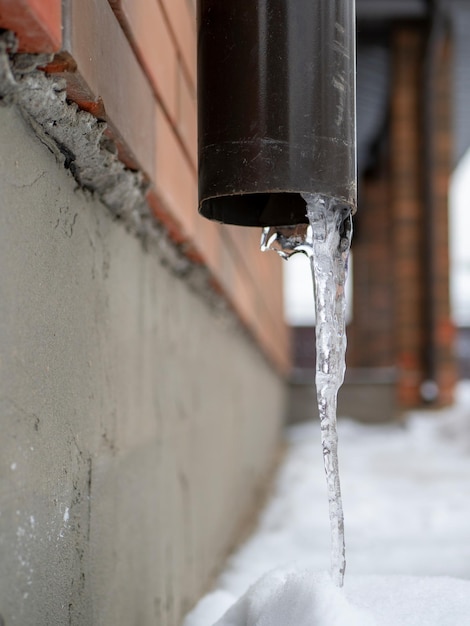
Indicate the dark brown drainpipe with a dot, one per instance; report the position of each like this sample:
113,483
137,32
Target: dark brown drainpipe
437,30
276,107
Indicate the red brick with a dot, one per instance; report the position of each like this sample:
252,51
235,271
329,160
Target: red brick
182,21
263,306
162,213
408,393
37,23
187,115
147,29
175,179
207,238
110,71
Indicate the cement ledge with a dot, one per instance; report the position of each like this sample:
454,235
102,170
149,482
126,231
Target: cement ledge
85,145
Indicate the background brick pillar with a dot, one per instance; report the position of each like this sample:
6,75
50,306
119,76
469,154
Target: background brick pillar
370,341
421,149
408,45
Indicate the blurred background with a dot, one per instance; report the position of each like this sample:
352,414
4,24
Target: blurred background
408,295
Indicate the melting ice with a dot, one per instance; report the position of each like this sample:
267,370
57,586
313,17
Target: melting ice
326,243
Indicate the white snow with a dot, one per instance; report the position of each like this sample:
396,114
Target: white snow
406,500
460,251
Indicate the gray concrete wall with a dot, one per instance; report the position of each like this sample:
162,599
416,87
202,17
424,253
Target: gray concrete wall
137,421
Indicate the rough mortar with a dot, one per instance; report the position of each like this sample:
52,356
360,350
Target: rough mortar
77,140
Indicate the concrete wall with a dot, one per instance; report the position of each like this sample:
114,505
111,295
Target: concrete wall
137,421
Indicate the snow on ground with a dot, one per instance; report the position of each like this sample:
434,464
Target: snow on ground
406,498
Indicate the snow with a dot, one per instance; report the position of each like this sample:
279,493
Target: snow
406,501
460,251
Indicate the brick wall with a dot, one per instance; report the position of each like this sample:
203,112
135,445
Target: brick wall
132,63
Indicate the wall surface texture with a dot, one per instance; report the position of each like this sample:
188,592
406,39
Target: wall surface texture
138,418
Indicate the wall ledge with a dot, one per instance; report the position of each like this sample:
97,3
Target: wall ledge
85,146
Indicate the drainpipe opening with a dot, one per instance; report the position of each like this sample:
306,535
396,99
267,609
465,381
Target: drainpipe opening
276,108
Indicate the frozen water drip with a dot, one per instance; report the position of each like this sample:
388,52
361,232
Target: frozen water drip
326,242
331,239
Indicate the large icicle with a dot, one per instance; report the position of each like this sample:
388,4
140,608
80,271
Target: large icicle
327,245
331,238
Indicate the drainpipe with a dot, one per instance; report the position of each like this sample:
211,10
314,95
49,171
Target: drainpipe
437,25
276,108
